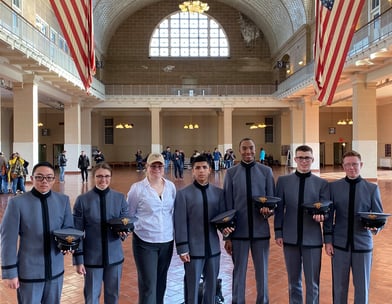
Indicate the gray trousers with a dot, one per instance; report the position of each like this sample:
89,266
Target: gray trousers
110,276
300,258
260,252
41,292
360,264
193,271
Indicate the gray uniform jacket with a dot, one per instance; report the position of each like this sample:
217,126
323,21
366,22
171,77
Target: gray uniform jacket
250,223
100,247
291,221
33,217
193,231
367,198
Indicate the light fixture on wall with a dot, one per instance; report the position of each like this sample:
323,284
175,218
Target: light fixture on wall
40,124
124,126
194,7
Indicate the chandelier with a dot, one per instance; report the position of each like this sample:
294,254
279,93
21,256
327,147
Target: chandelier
124,126
194,7
345,122
253,126
191,126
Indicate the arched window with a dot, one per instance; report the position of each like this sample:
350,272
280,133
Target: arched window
189,35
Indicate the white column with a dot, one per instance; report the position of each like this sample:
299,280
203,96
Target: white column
311,129
156,146
26,119
365,125
72,135
227,128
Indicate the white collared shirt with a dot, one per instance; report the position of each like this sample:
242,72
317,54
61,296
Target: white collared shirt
154,214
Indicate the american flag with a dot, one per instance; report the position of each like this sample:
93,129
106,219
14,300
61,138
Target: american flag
335,26
75,18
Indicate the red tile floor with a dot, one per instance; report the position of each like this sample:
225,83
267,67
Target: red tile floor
381,282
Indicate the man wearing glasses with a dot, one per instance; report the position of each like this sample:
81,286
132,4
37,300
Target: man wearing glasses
296,231
31,262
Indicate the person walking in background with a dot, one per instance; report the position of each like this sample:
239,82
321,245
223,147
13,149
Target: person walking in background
299,233
100,256
31,262
62,162
241,183
262,155
151,201
167,156
347,241
139,161
99,157
217,156
196,237
83,164
178,164
16,173
3,174
229,158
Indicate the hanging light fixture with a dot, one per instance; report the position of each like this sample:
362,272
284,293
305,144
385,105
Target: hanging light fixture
191,126
124,126
253,125
194,7
345,122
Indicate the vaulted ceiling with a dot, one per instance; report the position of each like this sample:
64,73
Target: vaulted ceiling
277,19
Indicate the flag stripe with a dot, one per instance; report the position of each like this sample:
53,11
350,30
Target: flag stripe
334,31
75,20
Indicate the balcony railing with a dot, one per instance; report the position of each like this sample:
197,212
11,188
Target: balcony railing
22,35
187,90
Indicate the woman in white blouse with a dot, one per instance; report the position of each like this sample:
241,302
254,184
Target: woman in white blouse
151,201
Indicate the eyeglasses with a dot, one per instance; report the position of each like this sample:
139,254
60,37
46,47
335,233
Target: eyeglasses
41,178
304,158
349,165
103,176
156,166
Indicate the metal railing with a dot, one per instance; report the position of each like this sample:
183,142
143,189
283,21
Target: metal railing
22,35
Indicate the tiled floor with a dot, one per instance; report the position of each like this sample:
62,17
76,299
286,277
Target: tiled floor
381,283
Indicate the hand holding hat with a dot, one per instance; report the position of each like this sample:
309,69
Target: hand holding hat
373,221
266,204
319,210
225,220
68,239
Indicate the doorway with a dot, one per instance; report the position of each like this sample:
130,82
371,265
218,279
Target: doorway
339,148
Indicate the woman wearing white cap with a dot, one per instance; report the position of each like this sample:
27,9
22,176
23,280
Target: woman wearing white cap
151,201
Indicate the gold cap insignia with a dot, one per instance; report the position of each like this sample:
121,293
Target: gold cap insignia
263,199
69,238
125,221
226,219
317,205
372,216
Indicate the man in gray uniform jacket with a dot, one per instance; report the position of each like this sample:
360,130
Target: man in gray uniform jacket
297,232
196,237
31,261
346,240
243,182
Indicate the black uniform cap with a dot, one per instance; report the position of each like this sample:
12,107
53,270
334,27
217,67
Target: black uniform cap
320,207
68,238
373,219
269,202
121,224
225,219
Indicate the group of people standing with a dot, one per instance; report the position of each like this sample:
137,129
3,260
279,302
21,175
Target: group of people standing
166,218
13,173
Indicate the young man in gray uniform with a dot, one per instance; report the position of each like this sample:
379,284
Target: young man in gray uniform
297,232
346,240
31,261
196,237
242,182
100,257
